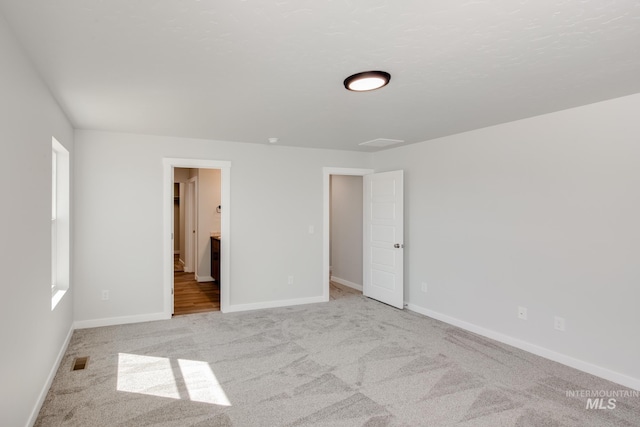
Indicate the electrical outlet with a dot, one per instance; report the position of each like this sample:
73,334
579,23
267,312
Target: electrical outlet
558,323
522,313
312,229
424,287
105,295
290,280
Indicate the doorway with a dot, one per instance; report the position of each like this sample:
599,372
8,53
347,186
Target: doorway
219,217
383,234
345,235
196,230
327,211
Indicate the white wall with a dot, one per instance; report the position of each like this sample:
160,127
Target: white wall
276,192
346,228
541,213
31,334
208,218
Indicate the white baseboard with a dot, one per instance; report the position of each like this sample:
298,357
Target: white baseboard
273,304
123,320
346,283
581,365
52,374
204,279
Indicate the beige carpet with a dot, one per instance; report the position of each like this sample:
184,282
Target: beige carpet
348,362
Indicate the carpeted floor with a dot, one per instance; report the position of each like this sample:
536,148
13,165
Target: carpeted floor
348,362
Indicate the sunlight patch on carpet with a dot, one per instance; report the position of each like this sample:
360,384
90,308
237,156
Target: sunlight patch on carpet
175,379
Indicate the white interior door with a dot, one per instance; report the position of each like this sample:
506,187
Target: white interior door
383,246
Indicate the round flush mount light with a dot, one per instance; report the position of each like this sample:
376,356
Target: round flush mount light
368,80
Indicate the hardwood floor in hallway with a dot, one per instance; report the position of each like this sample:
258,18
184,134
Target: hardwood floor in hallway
191,296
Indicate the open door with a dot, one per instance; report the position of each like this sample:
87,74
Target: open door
383,246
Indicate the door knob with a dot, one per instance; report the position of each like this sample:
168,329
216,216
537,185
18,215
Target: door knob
398,246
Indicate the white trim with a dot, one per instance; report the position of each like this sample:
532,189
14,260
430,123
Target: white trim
346,283
326,182
274,304
572,362
204,279
123,320
191,226
47,385
225,218
60,221
57,297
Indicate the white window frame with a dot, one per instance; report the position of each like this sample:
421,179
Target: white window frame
60,225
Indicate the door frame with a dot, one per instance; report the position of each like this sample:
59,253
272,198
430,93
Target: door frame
225,223
191,226
326,213
181,220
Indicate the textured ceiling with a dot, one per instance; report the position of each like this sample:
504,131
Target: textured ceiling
249,70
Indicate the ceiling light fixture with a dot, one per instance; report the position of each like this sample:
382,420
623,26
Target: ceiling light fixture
368,80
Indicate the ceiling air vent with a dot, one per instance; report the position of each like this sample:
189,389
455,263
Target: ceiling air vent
381,142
